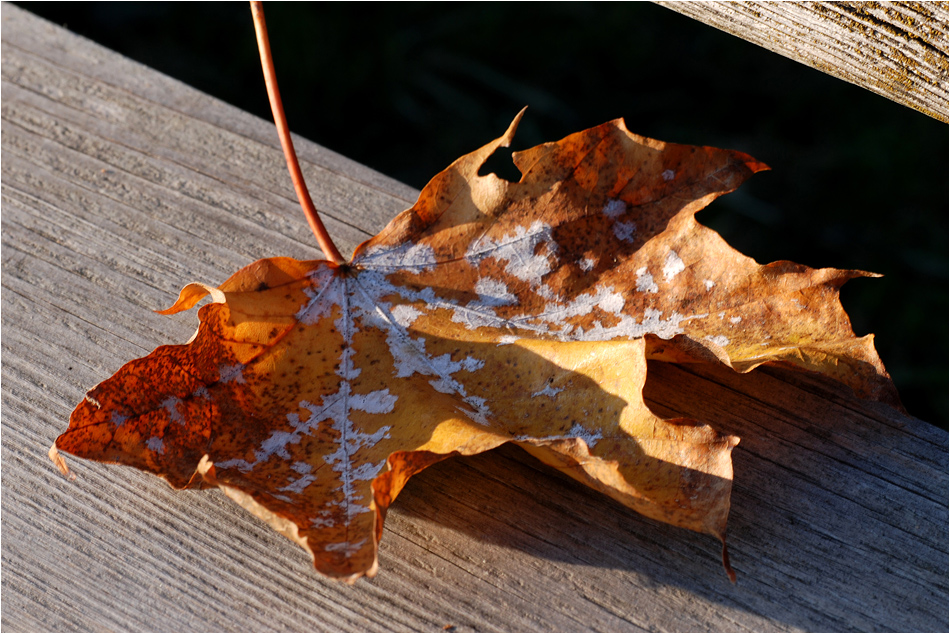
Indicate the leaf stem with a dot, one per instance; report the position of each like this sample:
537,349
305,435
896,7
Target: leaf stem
283,131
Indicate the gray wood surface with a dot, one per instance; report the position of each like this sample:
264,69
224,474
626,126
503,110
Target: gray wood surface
895,49
120,185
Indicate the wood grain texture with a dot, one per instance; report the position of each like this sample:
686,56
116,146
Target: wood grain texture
120,185
895,49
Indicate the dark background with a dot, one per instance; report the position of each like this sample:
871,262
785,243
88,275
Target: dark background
858,181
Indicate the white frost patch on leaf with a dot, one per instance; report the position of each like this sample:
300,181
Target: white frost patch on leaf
625,230
378,402
347,370
481,412
444,386
471,364
323,519
347,548
668,175
673,266
720,340
303,468
409,355
555,320
545,292
587,264
603,297
170,405
118,419
475,316
612,303
493,292
231,373
351,440
324,292
306,478
615,208
576,431
477,402
629,328
548,391
645,283
709,284
277,443
373,286
404,314
405,257
518,249
735,320
367,471
443,367
589,437
336,408
156,444
242,465
506,340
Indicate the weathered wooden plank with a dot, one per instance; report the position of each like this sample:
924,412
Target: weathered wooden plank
895,49
119,185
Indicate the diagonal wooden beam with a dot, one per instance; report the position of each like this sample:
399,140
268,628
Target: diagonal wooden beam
895,49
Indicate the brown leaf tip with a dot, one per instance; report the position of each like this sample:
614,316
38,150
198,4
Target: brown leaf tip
725,563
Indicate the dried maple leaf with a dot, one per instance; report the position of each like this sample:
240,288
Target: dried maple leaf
489,312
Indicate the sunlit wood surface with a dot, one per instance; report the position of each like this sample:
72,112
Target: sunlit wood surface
120,185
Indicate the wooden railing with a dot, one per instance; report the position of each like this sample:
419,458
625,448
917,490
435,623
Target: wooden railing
120,185
896,49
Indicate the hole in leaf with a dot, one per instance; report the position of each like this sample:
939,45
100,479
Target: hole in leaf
501,165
